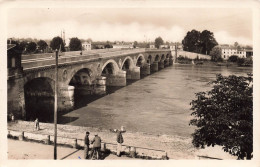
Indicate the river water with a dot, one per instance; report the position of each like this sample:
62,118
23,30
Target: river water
156,104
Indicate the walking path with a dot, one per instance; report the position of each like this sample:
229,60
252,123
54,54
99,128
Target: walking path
28,150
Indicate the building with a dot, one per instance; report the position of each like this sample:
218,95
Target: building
123,45
86,46
152,46
14,54
227,51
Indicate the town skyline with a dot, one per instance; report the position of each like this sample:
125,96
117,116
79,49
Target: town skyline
128,24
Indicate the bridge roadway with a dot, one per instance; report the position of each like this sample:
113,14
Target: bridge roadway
47,60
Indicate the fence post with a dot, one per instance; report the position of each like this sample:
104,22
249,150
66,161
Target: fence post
21,136
132,152
47,140
75,144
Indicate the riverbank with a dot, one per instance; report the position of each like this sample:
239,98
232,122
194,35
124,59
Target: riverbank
211,63
175,146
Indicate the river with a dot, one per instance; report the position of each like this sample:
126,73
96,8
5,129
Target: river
156,104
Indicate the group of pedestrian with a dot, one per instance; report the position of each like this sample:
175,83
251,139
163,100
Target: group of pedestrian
96,150
96,147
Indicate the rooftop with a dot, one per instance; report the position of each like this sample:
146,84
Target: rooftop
10,46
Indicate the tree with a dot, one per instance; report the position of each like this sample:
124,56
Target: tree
108,45
135,44
31,47
42,45
75,44
197,42
237,46
158,42
224,115
207,41
191,41
89,40
56,42
215,54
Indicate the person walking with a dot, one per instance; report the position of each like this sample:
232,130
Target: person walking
86,146
96,146
120,140
37,124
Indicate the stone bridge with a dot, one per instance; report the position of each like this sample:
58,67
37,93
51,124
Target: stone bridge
79,73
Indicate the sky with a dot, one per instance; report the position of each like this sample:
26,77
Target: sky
229,25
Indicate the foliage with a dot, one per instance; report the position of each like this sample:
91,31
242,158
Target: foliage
207,41
75,44
233,58
183,60
56,42
135,44
215,54
245,61
108,45
197,42
23,45
191,41
31,47
224,115
42,44
240,61
158,41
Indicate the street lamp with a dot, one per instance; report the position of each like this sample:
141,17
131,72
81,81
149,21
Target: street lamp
55,104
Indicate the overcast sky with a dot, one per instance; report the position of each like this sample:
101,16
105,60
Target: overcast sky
130,24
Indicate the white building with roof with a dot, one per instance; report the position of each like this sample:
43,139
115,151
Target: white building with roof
227,51
86,46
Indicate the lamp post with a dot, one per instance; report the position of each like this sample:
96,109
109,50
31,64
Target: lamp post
55,104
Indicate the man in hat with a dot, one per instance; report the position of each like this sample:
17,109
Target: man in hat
86,146
96,145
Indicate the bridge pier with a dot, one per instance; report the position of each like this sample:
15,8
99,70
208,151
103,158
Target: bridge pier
154,67
66,98
16,101
100,88
166,62
171,61
133,73
118,79
161,65
145,70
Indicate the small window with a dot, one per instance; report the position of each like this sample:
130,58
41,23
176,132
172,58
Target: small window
224,56
13,62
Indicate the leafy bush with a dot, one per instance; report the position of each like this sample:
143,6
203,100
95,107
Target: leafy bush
224,115
233,58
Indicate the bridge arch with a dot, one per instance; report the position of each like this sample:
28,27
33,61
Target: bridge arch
110,67
128,63
157,57
162,57
39,99
81,76
149,59
140,60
